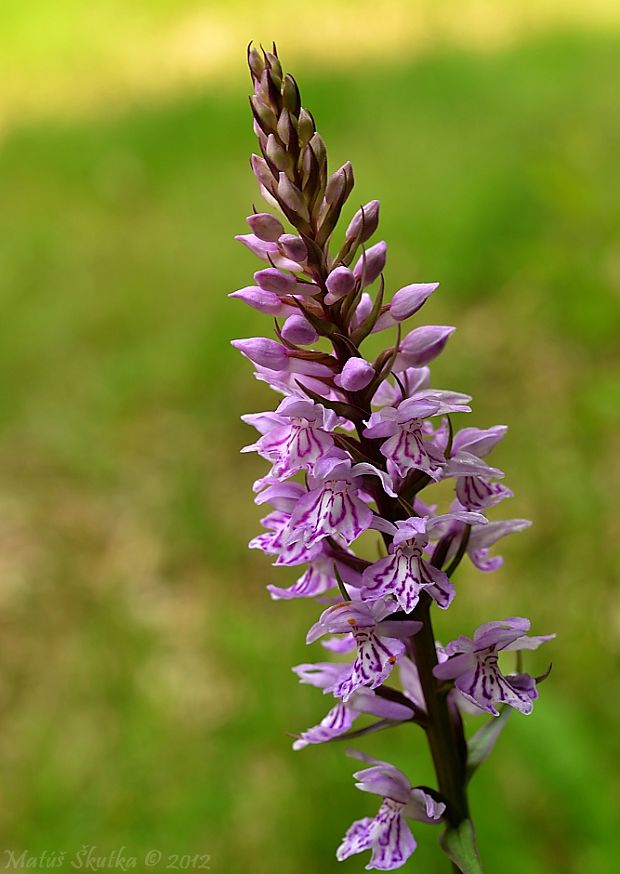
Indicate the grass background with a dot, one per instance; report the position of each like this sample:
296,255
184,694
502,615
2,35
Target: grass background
145,690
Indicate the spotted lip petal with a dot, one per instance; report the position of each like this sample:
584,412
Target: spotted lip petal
317,579
296,445
388,834
332,510
374,662
339,720
473,665
342,716
405,574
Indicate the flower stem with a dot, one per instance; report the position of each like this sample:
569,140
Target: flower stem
445,738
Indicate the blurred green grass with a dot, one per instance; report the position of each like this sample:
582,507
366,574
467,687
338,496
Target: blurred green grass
146,694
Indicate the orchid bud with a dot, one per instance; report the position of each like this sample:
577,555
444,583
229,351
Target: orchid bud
273,356
255,62
258,247
305,127
298,330
291,197
261,300
294,248
265,91
264,352
271,279
290,95
422,345
371,263
405,303
364,223
265,226
311,177
307,366
339,283
356,374
269,198
278,156
264,115
409,299
286,131
318,147
275,68
362,310
339,185
261,170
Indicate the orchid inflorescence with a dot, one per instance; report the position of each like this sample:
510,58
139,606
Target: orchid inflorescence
352,446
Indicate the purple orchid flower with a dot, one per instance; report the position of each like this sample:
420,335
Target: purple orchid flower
406,447
319,576
326,675
317,579
379,642
405,573
282,496
473,665
297,436
481,538
288,383
388,834
474,488
333,506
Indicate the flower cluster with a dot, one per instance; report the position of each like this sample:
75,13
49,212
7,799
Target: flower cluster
351,446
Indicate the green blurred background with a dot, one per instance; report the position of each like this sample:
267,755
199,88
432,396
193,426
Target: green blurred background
145,689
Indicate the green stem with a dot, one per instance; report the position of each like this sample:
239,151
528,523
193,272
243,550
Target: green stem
443,736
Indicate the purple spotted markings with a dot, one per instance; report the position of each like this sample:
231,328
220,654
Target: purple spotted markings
473,664
388,835
378,642
405,573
